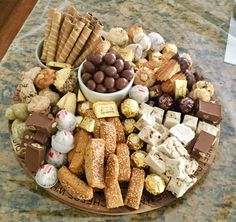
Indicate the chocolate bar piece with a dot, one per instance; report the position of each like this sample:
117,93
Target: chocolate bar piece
204,142
209,111
34,156
43,123
38,136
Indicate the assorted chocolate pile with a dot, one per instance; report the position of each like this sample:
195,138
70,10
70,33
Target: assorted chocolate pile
155,139
106,73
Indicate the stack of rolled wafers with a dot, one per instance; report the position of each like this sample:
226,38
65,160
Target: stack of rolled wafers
71,37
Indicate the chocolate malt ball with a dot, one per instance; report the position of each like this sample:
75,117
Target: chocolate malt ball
86,77
89,67
127,65
96,58
91,84
121,83
99,77
109,83
110,58
186,105
100,88
111,71
165,102
128,74
119,64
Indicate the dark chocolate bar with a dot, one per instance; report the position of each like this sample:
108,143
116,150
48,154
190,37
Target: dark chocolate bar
38,136
46,124
34,156
209,111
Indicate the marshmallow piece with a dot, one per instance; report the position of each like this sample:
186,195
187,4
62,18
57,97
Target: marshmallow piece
190,121
207,128
172,118
173,148
179,187
145,120
145,108
183,133
149,135
158,114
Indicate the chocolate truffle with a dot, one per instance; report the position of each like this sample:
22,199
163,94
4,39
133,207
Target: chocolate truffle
190,79
155,91
186,105
184,64
89,67
110,58
165,102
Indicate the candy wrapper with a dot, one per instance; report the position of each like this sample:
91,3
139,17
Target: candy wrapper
63,141
65,120
46,176
56,158
139,93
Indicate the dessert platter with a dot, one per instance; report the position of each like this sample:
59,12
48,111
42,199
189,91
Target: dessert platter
112,122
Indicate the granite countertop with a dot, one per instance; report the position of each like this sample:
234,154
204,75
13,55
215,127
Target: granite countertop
199,27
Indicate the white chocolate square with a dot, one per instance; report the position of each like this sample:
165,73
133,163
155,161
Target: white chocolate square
207,128
183,133
158,114
145,120
179,187
190,121
172,118
149,135
145,108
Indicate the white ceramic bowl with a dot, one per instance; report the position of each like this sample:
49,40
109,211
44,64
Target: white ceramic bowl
93,96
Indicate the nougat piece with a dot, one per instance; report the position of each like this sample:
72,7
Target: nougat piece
172,118
108,134
207,128
145,108
149,135
94,163
190,121
120,133
122,152
145,120
158,114
135,188
74,185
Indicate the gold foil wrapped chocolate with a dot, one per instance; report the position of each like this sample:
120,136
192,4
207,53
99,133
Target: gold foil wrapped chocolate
134,142
154,184
83,107
129,108
138,159
129,126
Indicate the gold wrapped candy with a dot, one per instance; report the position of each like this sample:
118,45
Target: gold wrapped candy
154,184
129,108
129,126
134,142
138,159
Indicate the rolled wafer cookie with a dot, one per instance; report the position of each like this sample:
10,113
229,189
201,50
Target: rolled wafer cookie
103,46
73,185
112,170
65,31
71,10
135,188
80,44
90,44
47,32
70,41
53,36
122,152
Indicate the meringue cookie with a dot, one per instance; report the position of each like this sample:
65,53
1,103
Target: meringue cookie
117,36
143,40
157,41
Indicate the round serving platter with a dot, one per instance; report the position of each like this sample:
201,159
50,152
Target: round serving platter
97,204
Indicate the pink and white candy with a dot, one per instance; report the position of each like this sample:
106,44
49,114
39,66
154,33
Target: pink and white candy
139,93
65,120
56,158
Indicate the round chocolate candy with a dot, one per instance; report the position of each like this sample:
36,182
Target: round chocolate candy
127,65
109,82
111,71
46,176
121,83
118,56
86,77
186,105
190,79
91,84
128,74
117,76
119,64
102,67
96,58
100,88
89,67
110,58
99,77
165,101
